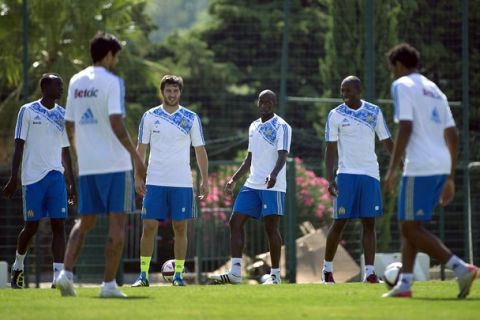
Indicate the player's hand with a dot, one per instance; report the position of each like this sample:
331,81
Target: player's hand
204,190
10,188
332,188
390,181
72,194
270,181
140,185
229,186
448,192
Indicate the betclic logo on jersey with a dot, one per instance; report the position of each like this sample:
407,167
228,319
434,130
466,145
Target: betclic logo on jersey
85,93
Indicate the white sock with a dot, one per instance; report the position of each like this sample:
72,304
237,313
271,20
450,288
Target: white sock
110,284
57,267
457,265
327,266
405,281
275,272
369,269
236,266
18,264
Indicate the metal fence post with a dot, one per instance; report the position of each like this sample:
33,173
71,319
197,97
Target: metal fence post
291,224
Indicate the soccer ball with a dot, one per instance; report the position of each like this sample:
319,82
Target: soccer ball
391,274
168,270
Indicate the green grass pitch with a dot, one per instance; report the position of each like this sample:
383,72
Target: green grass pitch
432,300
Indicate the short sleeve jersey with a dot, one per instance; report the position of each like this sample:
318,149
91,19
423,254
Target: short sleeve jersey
265,139
419,100
93,95
44,134
170,137
354,131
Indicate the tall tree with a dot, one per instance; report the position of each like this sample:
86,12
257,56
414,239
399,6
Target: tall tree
59,33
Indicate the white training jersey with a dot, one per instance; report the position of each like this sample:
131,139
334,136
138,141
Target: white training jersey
93,95
354,131
419,100
44,134
265,139
170,137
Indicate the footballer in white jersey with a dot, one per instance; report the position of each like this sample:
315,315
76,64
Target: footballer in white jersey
350,130
428,137
41,145
94,120
263,195
170,130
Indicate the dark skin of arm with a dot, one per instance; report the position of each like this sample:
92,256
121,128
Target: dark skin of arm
403,136
244,168
281,160
67,164
11,186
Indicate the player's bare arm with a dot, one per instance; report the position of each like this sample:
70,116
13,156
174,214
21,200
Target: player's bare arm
11,186
451,138
272,178
139,180
118,127
403,136
330,157
244,168
202,162
67,164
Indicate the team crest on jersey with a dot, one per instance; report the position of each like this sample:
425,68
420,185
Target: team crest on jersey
183,119
55,116
268,130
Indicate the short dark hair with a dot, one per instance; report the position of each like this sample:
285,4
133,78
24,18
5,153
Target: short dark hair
101,44
405,54
171,79
47,78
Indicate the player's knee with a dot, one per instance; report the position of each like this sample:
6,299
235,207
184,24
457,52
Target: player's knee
58,227
180,229
31,227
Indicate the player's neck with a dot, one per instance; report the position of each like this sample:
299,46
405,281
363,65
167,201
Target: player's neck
354,104
267,117
48,103
171,109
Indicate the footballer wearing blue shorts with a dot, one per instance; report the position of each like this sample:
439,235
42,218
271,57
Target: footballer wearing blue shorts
263,195
170,129
351,129
94,120
428,137
41,145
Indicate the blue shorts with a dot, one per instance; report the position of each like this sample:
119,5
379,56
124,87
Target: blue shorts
419,196
359,196
105,193
46,198
259,203
163,203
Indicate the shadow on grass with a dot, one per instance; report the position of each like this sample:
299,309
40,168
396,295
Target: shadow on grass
446,299
126,299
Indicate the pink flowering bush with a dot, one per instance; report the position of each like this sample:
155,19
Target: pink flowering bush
217,205
314,203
